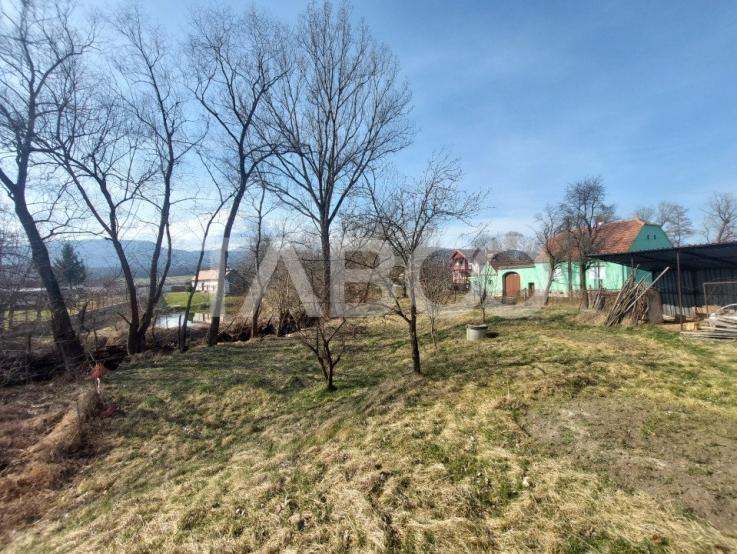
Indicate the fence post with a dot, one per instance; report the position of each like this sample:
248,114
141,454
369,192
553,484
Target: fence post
680,295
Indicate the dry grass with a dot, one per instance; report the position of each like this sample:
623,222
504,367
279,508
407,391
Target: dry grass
239,448
38,433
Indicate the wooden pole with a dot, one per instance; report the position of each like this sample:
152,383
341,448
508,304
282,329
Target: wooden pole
642,293
680,294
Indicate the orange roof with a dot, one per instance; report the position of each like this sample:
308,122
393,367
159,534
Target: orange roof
615,237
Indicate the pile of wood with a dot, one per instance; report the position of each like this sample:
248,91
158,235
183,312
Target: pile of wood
632,301
721,325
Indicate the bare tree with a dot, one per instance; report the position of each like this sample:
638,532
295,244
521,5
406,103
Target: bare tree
672,217
206,224
436,278
233,64
584,210
39,48
721,217
674,220
339,114
483,240
482,283
645,213
155,99
405,217
555,243
120,146
258,243
512,240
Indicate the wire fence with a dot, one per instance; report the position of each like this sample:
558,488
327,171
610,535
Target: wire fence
719,293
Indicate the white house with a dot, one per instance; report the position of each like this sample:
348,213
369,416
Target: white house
207,280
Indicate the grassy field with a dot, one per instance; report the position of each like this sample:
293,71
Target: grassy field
200,300
179,300
553,436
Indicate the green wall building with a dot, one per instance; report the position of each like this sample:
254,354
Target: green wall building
514,274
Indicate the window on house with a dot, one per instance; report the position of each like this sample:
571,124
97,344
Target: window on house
597,273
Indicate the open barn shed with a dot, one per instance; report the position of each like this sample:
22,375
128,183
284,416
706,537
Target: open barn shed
699,277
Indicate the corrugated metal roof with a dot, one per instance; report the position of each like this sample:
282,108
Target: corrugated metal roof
700,256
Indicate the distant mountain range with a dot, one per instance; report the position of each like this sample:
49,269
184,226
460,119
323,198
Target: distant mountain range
100,258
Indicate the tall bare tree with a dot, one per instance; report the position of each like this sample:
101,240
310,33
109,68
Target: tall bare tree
339,113
233,65
584,210
555,243
406,216
259,240
721,217
39,48
206,221
674,220
120,145
672,217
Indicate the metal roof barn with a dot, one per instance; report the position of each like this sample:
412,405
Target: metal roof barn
684,289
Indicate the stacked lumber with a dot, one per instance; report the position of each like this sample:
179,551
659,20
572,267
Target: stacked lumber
631,302
721,325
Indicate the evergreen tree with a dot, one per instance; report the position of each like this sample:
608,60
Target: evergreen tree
69,268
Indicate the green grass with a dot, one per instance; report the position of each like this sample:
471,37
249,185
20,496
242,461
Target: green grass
200,301
240,447
179,300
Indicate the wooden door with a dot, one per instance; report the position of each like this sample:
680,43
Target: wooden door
511,285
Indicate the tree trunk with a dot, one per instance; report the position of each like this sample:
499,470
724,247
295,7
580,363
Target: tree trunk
549,285
331,386
326,276
214,331
279,324
66,340
183,329
570,279
414,341
132,344
254,320
584,290
155,284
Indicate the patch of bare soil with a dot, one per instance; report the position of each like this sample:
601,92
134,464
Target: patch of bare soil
678,456
41,428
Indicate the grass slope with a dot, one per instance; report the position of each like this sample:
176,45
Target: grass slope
554,436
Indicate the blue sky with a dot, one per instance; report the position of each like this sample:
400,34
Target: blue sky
533,95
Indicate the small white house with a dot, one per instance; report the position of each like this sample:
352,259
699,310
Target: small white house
207,280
